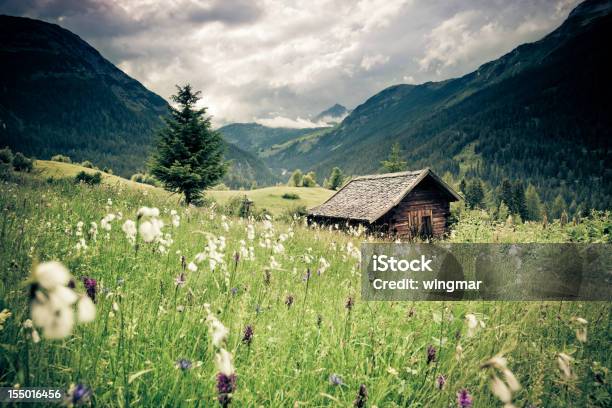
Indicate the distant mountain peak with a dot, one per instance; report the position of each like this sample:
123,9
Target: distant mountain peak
334,114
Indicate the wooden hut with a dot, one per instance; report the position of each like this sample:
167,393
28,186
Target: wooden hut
407,204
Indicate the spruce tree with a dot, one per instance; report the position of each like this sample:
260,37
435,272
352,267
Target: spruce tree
189,154
336,178
474,195
519,201
394,163
533,203
506,195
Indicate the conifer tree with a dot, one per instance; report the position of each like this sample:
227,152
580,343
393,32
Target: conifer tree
189,154
519,201
474,195
336,178
533,203
506,195
558,207
394,163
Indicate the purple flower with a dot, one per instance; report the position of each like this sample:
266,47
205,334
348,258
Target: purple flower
234,291
91,287
431,354
183,262
78,394
464,399
236,257
183,364
362,397
180,280
247,338
335,379
440,381
349,303
289,301
226,384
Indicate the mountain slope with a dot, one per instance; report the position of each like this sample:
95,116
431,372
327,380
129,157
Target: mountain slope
539,113
256,138
59,95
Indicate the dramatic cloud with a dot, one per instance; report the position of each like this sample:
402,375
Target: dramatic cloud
282,62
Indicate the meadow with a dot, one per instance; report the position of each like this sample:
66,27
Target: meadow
269,309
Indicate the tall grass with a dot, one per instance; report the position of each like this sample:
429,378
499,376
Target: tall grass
145,323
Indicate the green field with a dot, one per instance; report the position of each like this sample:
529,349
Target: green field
269,198
314,343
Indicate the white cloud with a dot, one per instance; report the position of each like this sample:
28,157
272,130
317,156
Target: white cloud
370,61
298,123
252,57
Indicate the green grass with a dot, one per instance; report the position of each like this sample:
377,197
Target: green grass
127,355
269,198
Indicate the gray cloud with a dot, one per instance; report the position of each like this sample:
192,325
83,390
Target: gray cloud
275,59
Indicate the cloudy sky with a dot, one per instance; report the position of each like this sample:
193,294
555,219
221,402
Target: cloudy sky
282,62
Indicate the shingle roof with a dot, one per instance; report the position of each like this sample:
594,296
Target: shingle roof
367,198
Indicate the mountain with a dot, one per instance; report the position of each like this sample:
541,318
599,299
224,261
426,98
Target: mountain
332,115
540,113
59,95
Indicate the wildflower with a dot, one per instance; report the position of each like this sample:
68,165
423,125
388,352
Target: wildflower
564,361
78,394
350,302
105,223
216,329
180,280
458,352
247,338
226,384
176,219
289,301
51,274
183,364
464,399
4,315
151,229
28,325
335,379
307,275
502,390
473,323
192,267
250,232
52,300
362,397
581,328
129,228
440,381
147,212
431,354
234,291
86,310
91,287
323,266
93,230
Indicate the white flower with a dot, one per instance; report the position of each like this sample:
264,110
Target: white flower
93,230
86,310
56,320
564,361
62,296
51,274
250,232
500,390
323,265
129,228
176,219
192,267
147,212
223,360
150,230
105,223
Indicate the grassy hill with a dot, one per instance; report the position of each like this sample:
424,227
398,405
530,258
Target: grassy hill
314,339
269,198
